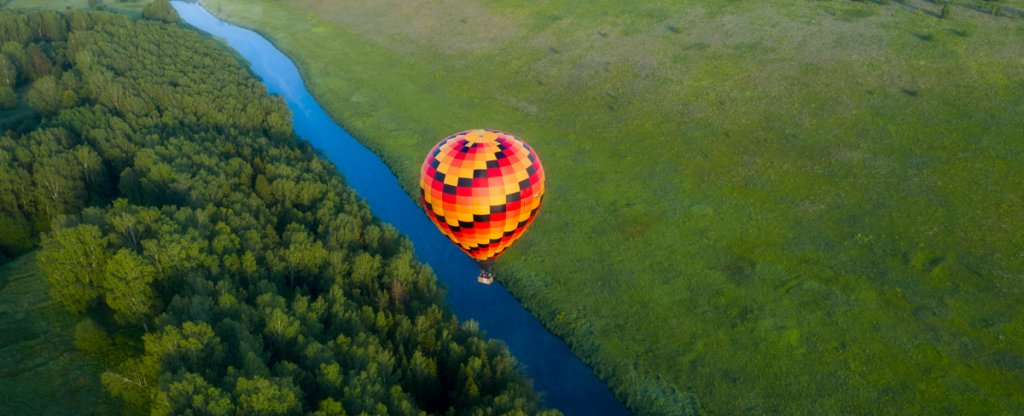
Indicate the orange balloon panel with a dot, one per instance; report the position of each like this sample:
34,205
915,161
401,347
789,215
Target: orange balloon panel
482,188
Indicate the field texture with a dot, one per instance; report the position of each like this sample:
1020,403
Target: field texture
41,372
771,206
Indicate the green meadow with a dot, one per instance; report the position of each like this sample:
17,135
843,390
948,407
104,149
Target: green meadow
41,371
782,207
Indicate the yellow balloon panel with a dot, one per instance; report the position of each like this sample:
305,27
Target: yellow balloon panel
482,189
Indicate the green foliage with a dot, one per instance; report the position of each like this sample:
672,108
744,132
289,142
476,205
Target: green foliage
74,262
91,338
225,267
8,98
15,54
8,72
160,10
73,7
130,382
128,286
262,397
191,394
36,63
732,206
189,348
16,235
46,96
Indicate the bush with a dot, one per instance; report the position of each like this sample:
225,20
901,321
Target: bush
91,338
46,95
8,72
160,10
15,233
8,99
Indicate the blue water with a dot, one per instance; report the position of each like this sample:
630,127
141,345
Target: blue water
567,384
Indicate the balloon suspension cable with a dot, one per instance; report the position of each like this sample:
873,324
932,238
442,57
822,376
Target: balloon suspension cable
485,276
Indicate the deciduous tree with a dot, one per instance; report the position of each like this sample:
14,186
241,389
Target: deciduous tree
74,261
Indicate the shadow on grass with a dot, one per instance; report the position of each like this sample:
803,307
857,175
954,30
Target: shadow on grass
993,9
927,37
958,32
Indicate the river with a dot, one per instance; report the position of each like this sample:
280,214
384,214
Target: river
565,382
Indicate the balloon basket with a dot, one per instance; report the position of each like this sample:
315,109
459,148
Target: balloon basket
485,278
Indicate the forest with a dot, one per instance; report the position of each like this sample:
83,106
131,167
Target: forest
218,265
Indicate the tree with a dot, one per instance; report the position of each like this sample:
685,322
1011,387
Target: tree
46,95
8,72
74,262
304,255
58,189
15,52
16,235
8,99
280,326
945,10
91,338
38,64
160,10
330,407
128,287
194,347
190,393
425,384
258,396
90,165
16,232
132,381
49,25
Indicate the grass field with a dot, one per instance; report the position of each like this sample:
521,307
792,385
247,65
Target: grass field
41,372
773,206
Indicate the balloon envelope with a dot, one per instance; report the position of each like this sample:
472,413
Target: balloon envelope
482,189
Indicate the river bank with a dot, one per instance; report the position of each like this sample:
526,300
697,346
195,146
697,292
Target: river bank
739,193
567,384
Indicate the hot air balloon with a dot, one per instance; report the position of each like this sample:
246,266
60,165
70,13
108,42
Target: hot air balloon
482,189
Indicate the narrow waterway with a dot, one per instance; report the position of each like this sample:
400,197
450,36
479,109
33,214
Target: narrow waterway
565,382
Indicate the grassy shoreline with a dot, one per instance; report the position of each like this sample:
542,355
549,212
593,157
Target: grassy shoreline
825,208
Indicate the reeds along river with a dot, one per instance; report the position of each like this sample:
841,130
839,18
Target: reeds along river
567,384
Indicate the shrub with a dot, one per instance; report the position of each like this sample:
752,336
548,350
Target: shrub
160,10
8,99
91,338
45,95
